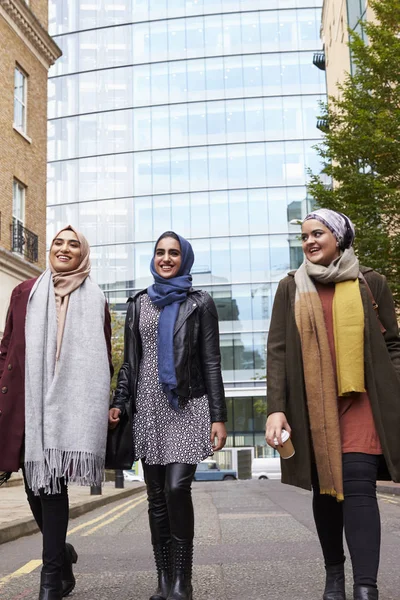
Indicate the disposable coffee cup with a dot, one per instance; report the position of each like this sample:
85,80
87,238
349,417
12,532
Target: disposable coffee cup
287,450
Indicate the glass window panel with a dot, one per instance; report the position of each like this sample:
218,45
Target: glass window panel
176,8
273,118
195,37
238,212
292,118
158,41
275,156
258,211
216,126
197,123
219,213
159,85
279,256
295,169
251,41
179,170
198,169
312,79
220,260
199,214
259,341
213,35
142,173
143,218
254,114
227,363
141,84
290,73
308,23
180,204
123,175
214,78
271,75
176,39
269,27
202,264
244,357
141,43
212,6
260,417
252,75
158,9
256,173
142,128
143,256
243,407
310,112
232,35
261,297
240,259
288,30
177,81
196,79
233,74
161,215
237,166
259,252
161,171
217,167
235,120
178,119
277,209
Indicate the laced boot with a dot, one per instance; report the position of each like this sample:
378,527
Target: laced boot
334,585
67,575
50,586
181,587
365,592
162,555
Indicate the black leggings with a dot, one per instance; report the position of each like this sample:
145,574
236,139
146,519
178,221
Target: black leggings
359,514
51,513
170,502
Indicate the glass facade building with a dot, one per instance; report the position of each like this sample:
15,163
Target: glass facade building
197,116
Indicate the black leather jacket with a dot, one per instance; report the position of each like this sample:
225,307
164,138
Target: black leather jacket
196,351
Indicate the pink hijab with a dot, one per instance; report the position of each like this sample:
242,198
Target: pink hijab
66,282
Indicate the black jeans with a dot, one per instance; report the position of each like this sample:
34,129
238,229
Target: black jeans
358,514
170,502
51,512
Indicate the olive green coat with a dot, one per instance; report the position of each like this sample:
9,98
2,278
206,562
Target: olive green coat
285,378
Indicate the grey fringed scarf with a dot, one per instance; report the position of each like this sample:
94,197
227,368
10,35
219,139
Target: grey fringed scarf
66,407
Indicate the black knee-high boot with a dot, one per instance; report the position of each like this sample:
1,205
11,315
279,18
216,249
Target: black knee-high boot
334,585
181,588
162,555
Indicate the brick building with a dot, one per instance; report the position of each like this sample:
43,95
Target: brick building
26,53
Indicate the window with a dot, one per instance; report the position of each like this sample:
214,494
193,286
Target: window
18,202
20,83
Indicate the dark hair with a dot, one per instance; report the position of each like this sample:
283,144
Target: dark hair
167,234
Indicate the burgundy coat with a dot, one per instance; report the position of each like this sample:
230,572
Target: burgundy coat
12,377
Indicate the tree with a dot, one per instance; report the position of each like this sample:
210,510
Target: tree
117,324
360,150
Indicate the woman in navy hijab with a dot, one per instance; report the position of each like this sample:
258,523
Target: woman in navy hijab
171,378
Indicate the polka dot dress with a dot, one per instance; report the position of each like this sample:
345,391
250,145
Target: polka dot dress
161,434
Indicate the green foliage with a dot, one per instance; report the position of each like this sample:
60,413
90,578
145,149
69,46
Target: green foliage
117,324
260,406
361,149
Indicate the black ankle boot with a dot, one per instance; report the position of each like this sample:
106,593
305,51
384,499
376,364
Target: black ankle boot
334,585
365,592
181,587
50,586
67,575
162,555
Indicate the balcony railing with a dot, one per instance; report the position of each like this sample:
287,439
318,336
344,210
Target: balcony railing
319,60
24,241
323,125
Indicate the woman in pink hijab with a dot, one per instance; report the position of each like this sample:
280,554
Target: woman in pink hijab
55,364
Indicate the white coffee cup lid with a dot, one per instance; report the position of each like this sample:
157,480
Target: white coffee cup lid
284,435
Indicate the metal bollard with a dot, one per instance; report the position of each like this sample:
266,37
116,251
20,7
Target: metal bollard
95,490
119,478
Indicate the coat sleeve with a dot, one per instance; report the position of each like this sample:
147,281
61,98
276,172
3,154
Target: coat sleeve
211,359
387,316
276,353
6,336
107,335
122,392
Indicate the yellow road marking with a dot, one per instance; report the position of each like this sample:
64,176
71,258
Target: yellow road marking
114,518
97,519
28,568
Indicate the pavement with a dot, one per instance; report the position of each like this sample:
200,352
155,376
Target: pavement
16,519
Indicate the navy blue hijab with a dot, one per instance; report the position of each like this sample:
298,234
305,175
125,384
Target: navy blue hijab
168,294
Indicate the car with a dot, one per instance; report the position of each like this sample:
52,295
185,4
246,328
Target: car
130,475
266,468
210,471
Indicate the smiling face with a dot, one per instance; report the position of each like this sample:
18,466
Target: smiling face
319,243
65,252
168,258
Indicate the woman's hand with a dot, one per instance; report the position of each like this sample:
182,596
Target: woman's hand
273,429
113,417
218,430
